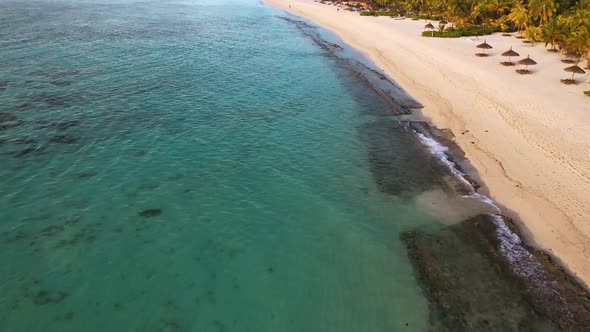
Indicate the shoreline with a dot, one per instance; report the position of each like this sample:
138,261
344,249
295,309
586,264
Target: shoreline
528,148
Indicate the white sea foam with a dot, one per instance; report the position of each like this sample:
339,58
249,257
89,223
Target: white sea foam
511,246
440,151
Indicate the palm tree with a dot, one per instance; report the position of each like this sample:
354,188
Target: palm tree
382,3
542,10
552,32
520,17
580,42
499,7
452,10
579,23
533,34
580,15
478,12
585,36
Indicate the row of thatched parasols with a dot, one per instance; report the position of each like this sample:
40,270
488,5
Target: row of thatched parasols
575,69
510,54
441,25
429,26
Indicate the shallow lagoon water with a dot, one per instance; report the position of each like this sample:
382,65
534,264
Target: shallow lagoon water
199,166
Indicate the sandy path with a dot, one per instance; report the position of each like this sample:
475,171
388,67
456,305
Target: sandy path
528,136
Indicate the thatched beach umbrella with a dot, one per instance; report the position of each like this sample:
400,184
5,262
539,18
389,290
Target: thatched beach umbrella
574,70
510,53
526,62
441,25
430,27
572,55
484,46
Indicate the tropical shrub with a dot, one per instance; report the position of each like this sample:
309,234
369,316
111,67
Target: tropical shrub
462,32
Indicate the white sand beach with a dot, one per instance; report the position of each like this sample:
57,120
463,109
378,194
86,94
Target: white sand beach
528,136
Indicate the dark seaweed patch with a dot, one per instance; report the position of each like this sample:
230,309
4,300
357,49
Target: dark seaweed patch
143,228
86,175
170,325
10,237
49,297
52,230
4,85
150,213
61,83
476,283
51,100
210,296
56,74
13,124
175,177
23,107
233,253
6,117
539,278
72,221
88,234
397,100
398,161
37,217
170,304
219,326
25,152
148,186
66,317
61,126
64,139
23,140
29,152
466,291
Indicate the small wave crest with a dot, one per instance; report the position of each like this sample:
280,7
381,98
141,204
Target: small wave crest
449,208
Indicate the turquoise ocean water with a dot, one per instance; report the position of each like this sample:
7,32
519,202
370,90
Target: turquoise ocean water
198,166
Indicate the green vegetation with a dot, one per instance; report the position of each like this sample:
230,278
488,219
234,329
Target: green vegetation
378,13
560,24
398,13
423,17
461,32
